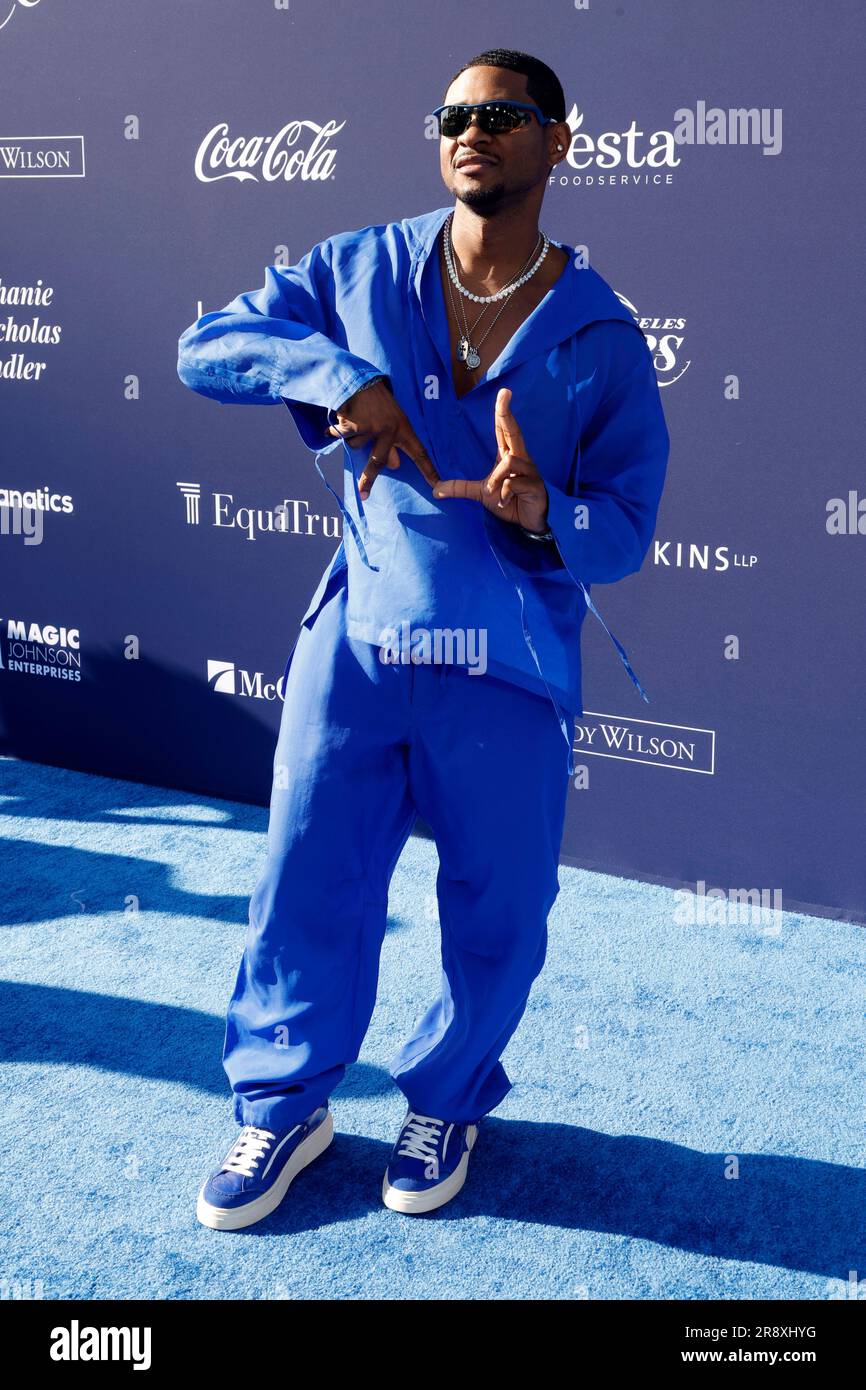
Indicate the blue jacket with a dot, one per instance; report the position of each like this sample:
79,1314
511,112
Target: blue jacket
584,392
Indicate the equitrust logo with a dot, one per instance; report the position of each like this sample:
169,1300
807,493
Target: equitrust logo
293,516
51,651
77,1343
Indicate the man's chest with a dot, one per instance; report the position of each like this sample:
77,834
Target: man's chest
479,333
400,320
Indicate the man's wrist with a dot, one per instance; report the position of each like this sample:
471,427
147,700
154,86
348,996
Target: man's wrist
373,381
546,535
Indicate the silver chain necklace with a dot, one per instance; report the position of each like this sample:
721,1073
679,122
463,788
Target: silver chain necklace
467,351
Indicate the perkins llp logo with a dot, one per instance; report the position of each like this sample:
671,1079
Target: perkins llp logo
681,556
272,156
225,678
77,1343
8,8
665,339
674,746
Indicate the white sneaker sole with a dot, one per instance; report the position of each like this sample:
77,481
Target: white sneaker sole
236,1218
413,1203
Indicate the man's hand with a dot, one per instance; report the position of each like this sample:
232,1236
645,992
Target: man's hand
374,415
514,490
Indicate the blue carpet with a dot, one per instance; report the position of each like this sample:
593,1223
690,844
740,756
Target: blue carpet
687,1118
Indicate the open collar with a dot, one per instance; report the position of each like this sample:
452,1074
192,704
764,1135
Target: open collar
578,297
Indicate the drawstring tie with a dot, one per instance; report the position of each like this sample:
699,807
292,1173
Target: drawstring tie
568,733
349,520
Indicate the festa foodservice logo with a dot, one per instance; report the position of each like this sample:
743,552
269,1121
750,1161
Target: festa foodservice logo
634,157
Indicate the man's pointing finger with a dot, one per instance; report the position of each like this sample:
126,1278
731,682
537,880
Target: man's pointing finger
409,442
473,488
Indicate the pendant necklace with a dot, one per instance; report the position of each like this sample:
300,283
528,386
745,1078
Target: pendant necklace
467,351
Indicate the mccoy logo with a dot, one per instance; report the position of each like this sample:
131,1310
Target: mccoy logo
41,650
271,155
665,339
675,746
224,678
8,8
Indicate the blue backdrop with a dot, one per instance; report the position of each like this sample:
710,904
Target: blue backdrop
155,158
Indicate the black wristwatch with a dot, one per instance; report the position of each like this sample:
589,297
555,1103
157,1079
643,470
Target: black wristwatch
538,535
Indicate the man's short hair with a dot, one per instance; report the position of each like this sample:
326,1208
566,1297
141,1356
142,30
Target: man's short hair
542,83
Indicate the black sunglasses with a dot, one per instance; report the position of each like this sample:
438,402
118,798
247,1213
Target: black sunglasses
494,117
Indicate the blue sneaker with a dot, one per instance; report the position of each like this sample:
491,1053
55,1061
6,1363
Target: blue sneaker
256,1172
429,1163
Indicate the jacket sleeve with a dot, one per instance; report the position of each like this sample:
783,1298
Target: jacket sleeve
276,344
603,527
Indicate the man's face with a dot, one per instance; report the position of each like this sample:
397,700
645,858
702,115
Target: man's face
507,165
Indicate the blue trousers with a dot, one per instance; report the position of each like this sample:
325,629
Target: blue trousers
363,749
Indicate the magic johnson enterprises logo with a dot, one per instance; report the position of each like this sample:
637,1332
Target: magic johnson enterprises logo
40,649
290,517
676,746
635,157
224,678
270,157
9,7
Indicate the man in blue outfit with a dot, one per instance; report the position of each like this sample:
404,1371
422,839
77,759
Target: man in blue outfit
504,447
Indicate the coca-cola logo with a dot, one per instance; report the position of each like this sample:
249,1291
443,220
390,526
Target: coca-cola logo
270,157
8,9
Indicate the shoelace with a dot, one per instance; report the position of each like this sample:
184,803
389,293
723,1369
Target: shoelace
419,1139
247,1153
